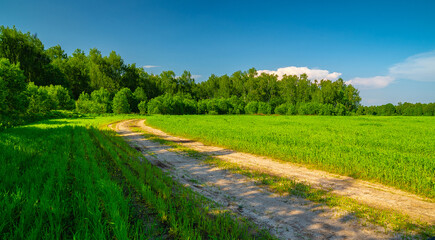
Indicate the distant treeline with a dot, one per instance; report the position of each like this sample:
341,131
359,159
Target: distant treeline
35,80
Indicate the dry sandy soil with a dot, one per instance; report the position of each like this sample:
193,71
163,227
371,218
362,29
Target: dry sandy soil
286,217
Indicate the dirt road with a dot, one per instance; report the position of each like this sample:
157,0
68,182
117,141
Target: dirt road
286,217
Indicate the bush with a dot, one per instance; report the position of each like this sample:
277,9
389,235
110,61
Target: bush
340,109
140,94
217,106
12,86
60,97
121,103
102,98
97,102
281,109
39,100
303,109
387,110
155,105
212,106
168,104
142,106
327,109
361,110
251,107
202,106
190,106
291,109
237,105
264,108
223,106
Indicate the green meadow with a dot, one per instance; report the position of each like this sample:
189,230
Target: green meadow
75,179
396,151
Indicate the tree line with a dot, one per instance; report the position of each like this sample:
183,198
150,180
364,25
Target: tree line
35,80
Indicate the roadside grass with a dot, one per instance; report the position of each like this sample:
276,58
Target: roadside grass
189,215
395,151
53,188
390,220
66,178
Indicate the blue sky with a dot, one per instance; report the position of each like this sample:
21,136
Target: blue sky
385,48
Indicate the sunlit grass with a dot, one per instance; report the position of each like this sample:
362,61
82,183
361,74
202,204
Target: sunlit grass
68,179
396,151
388,219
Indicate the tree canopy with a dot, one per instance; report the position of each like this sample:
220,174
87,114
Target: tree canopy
34,79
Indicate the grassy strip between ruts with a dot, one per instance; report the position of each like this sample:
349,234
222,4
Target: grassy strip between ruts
390,220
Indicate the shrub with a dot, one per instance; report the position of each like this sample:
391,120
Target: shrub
361,110
251,107
142,106
102,98
236,105
98,102
39,99
291,109
340,109
60,97
281,109
264,108
212,106
12,85
387,110
202,106
140,94
168,104
190,106
121,103
154,106
327,109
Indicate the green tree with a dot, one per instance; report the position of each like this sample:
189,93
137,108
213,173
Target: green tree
101,97
77,73
185,83
122,101
28,50
105,72
12,86
142,106
140,94
287,87
60,97
39,99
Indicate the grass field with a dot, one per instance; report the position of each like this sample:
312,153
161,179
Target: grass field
69,179
396,151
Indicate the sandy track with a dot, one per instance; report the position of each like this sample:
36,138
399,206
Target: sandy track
285,217
372,194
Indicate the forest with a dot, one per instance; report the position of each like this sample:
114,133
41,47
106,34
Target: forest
34,81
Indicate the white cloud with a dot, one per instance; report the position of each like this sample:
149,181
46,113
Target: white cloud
420,67
150,66
313,74
371,82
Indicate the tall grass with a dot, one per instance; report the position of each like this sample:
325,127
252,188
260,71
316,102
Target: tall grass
396,151
52,187
64,179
